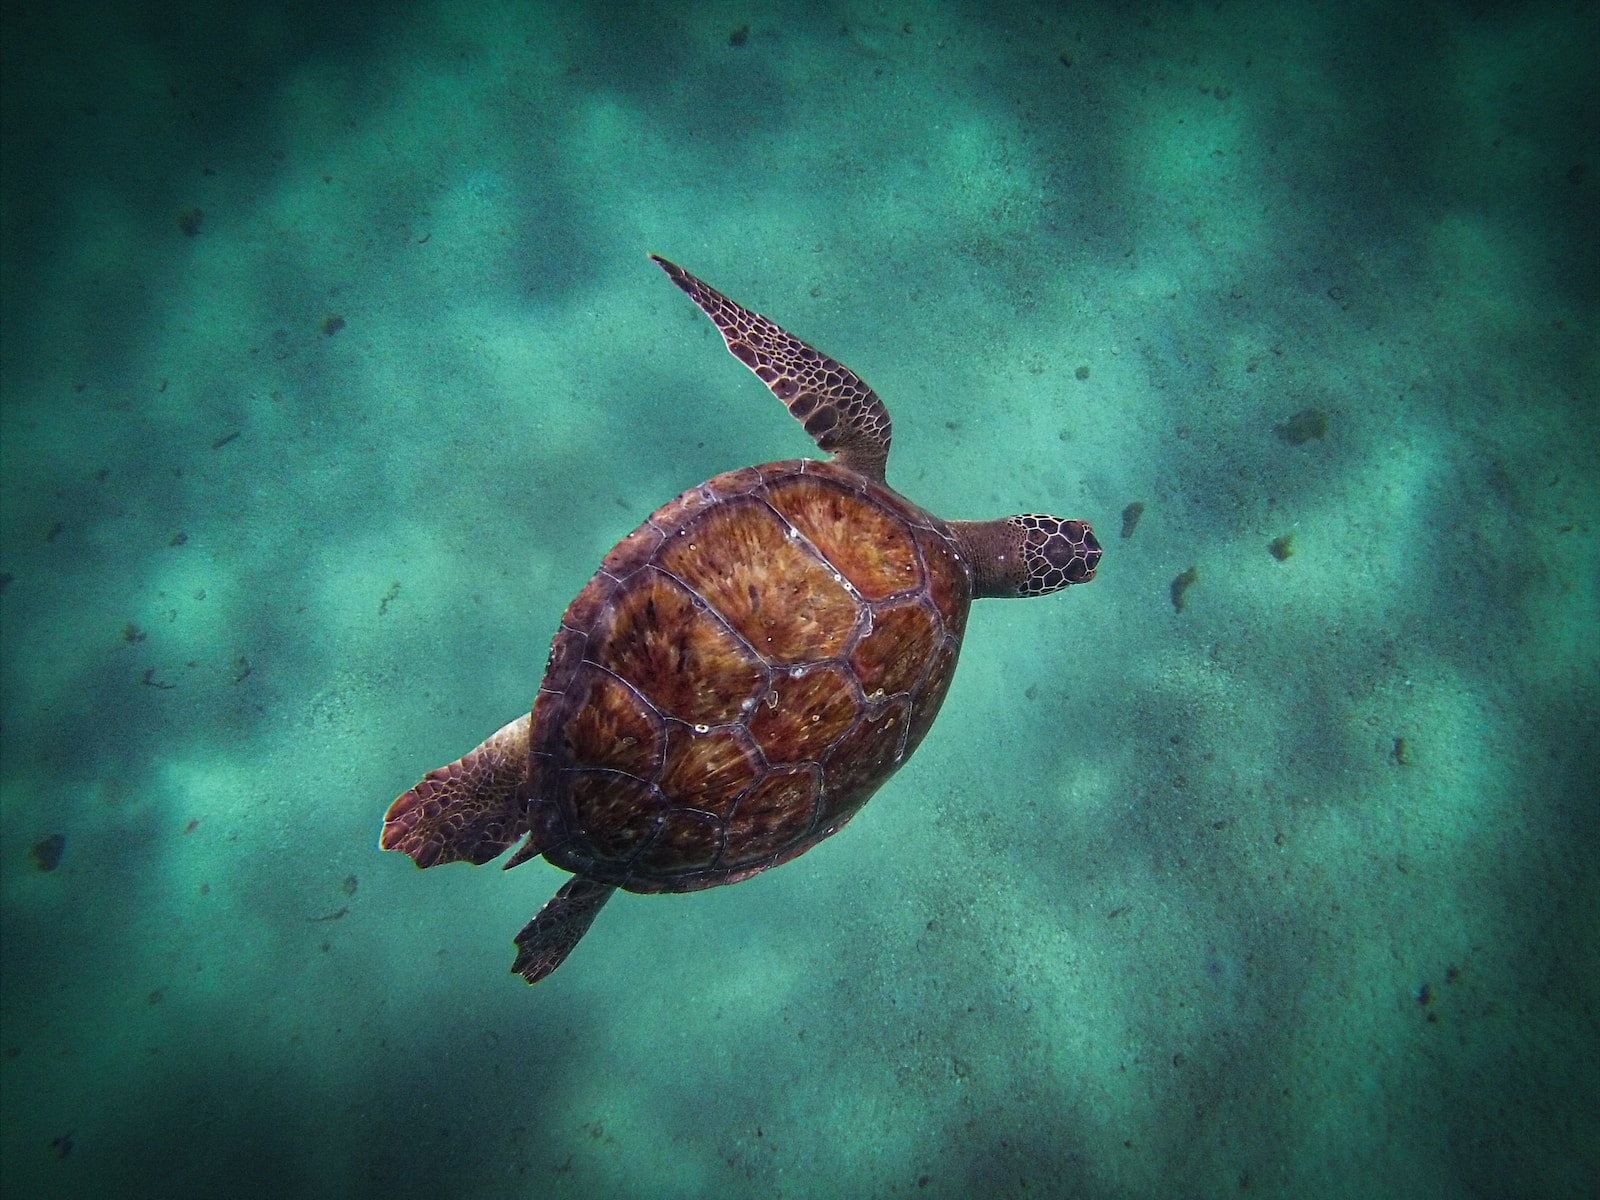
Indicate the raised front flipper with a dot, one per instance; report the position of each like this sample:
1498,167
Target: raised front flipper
469,811
841,413
547,939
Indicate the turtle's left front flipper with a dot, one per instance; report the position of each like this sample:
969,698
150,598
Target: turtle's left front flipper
547,939
841,413
468,811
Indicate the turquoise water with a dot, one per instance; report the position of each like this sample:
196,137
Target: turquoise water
332,363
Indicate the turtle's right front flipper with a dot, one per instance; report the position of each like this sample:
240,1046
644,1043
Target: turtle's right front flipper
547,939
468,811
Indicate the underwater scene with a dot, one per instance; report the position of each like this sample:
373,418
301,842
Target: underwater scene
333,362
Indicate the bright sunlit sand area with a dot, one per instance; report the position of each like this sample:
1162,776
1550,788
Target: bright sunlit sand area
331,364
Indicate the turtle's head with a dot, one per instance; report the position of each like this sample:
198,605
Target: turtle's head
1027,555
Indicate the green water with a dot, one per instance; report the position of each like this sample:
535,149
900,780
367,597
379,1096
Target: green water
331,363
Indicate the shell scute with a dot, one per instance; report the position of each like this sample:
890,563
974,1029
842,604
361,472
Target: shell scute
686,842
949,581
780,598
867,544
632,552
804,712
614,814
733,483
892,657
658,637
610,726
709,770
586,609
672,516
931,691
775,814
866,756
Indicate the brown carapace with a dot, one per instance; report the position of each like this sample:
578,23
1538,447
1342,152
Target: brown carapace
743,672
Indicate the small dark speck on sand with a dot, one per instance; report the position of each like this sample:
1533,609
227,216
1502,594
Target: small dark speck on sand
1130,518
47,854
1181,585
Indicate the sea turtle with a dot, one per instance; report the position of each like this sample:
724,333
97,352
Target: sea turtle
745,669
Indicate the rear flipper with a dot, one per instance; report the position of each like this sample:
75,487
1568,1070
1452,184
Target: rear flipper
468,811
547,939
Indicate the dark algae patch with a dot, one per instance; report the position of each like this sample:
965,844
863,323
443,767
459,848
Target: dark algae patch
1130,518
1182,584
47,854
1281,547
1306,424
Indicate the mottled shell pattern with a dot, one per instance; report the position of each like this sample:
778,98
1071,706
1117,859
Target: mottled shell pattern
745,669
